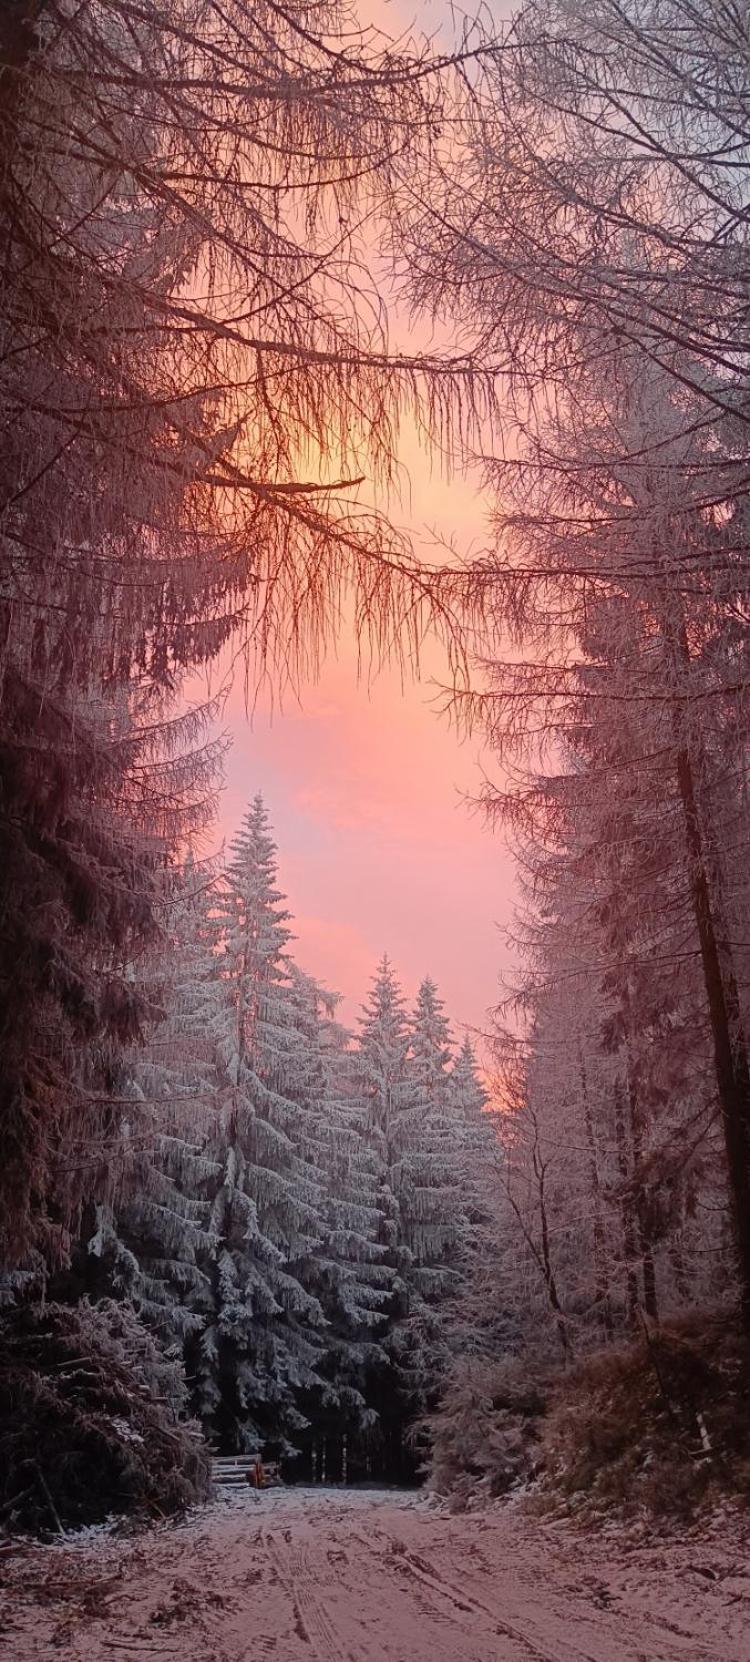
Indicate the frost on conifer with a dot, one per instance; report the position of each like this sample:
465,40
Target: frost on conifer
291,1210
404,1072
347,1269
262,1339
476,1129
432,1184
153,1234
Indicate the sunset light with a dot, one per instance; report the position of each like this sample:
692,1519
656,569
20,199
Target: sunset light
374,844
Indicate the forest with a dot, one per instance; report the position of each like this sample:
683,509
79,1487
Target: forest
226,1222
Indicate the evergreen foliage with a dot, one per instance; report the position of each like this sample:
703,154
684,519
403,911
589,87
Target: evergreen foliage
293,1212
419,1125
261,1340
89,1419
159,501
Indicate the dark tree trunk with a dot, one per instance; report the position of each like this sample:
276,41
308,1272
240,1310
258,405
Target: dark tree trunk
677,1260
601,1267
624,1167
730,1051
549,1274
641,1212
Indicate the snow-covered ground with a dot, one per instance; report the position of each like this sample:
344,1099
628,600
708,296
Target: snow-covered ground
330,1576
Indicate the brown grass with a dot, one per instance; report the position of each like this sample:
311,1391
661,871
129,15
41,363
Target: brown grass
661,1424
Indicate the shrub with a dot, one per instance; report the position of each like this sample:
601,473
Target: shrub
661,1423
90,1419
485,1433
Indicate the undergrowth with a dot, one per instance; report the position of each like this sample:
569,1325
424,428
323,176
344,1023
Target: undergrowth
659,1425
87,1427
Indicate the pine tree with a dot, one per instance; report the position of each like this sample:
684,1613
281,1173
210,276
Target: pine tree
347,1271
404,1074
151,1234
152,503
620,569
431,1137
469,1105
385,1090
432,1198
263,1337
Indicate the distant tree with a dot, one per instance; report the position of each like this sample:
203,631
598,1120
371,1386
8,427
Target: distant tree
347,1271
469,1104
262,1338
404,1083
432,1190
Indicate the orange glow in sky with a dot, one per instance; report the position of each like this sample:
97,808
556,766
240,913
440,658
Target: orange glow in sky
365,784
365,787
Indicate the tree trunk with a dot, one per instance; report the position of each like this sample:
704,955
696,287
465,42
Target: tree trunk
730,1052
549,1274
624,1166
601,1276
679,1270
641,1218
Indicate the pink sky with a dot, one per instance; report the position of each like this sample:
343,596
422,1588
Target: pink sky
364,785
378,851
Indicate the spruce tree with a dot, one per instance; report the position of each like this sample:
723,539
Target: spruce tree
346,1271
385,1093
263,1335
151,1234
432,1200
156,501
469,1107
404,1073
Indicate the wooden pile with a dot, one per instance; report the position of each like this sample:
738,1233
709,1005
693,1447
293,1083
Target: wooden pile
233,1471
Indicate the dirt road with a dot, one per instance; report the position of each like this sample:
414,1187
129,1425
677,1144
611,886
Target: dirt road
326,1576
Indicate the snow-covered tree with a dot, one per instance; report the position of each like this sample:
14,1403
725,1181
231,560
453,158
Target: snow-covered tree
263,1332
384,1089
347,1271
190,391
430,1140
594,227
469,1104
430,1183
404,1084
151,1238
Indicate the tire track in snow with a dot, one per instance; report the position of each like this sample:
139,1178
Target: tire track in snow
312,1621
610,1627
309,1578
465,1604
397,1554
382,1627
533,1641
608,1646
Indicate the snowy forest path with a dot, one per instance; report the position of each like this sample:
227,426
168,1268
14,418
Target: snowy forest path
363,1576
